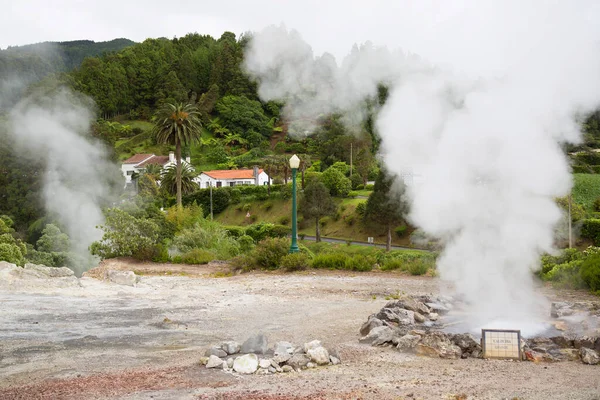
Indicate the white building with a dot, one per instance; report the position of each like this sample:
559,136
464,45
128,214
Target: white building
233,177
138,163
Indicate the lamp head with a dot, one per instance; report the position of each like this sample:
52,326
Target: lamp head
294,162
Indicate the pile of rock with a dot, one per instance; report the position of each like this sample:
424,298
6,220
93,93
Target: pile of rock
255,357
412,324
32,275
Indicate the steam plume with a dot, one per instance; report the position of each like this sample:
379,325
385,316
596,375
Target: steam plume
480,122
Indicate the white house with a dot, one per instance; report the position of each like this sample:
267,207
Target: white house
233,177
138,163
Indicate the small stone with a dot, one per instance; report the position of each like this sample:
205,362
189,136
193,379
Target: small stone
255,344
282,348
246,364
334,360
311,365
203,360
433,316
215,351
262,371
231,347
369,325
287,368
272,370
311,345
230,362
126,278
319,355
264,363
438,308
589,356
214,362
298,361
378,336
281,358
419,317
408,342
437,344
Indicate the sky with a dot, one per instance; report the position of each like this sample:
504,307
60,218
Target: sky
447,30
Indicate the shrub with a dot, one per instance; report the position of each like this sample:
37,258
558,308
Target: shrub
349,219
267,205
269,252
336,182
246,243
597,204
184,217
295,262
246,207
361,208
209,236
264,230
235,196
284,220
221,198
330,261
392,264
359,262
197,256
417,267
369,186
357,182
591,230
245,263
235,231
401,230
352,194
590,272
359,187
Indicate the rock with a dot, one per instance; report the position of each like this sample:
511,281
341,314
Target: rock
419,317
203,360
562,342
126,278
570,354
437,344
246,364
408,303
408,342
297,361
537,356
272,370
433,316
50,272
215,351
387,314
334,360
312,345
589,356
560,309
319,355
287,368
378,336
255,344
264,363
7,265
584,341
262,371
281,358
406,317
438,308
467,343
230,362
214,362
231,347
283,348
311,365
373,322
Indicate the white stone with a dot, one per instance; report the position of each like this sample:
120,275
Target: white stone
319,355
282,348
334,360
433,316
246,364
264,363
126,278
214,362
311,345
230,362
231,347
287,368
311,365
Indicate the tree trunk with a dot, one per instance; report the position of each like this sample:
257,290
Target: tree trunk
318,231
388,244
302,172
178,176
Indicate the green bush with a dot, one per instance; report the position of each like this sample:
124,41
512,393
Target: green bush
330,261
591,230
336,182
234,231
352,194
357,182
349,219
235,196
209,236
264,230
197,256
359,262
267,205
401,230
246,243
392,264
246,207
590,272
597,204
361,208
220,199
284,220
269,252
370,186
295,262
418,267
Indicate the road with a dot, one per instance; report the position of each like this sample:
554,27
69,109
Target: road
333,240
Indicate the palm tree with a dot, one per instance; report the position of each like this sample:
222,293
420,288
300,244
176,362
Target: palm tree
169,181
179,125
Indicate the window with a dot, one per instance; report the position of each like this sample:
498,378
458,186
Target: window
129,173
231,184
219,184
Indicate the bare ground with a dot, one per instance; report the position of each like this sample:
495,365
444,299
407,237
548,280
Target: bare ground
105,341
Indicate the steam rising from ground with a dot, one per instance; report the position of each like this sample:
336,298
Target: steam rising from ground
480,128
56,129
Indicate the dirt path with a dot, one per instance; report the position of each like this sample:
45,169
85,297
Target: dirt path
105,341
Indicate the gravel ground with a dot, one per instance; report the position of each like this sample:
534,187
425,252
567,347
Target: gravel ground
104,341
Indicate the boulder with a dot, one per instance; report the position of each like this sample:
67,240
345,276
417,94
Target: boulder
419,317
281,358
560,309
264,363
262,371
562,342
126,278
387,314
312,345
7,265
405,317
467,344
538,356
373,322
214,362
282,348
255,344
589,356
437,344
584,341
319,355
438,308
231,347
311,365
334,360
378,336
433,316
246,364
287,368
50,272
215,351
297,361
408,342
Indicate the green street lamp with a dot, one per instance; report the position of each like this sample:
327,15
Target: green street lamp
294,164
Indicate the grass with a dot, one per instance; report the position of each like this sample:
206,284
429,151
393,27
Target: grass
586,189
365,193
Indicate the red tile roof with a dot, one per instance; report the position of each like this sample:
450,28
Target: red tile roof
160,160
137,158
232,173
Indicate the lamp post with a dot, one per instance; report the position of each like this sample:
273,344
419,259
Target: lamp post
294,164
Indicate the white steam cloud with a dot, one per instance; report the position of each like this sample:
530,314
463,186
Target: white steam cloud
480,122
56,129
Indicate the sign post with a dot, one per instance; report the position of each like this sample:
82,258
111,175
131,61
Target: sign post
502,344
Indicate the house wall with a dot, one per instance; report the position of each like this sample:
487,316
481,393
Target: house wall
204,179
128,170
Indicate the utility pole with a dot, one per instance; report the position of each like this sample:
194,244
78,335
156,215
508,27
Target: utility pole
570,230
